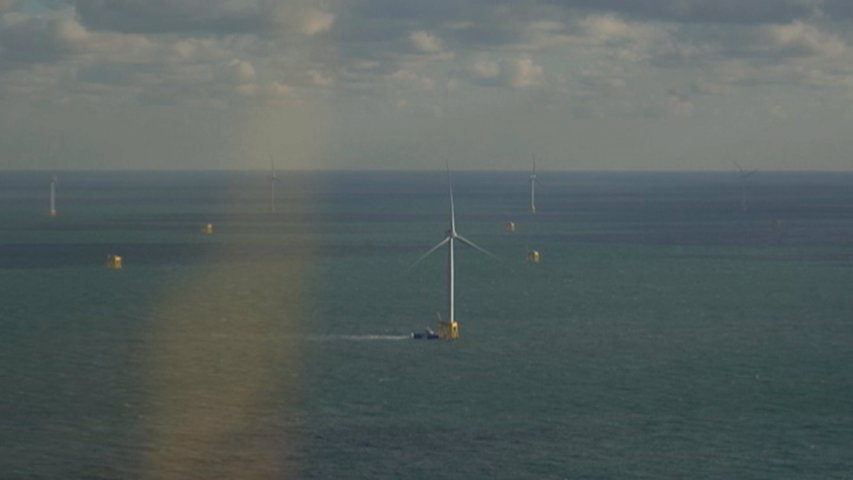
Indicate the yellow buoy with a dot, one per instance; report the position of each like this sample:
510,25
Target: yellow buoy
533,256
509,226
207,229
113,262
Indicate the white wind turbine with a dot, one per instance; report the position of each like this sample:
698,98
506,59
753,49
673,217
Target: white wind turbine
53,182
273,180
743,176
533,183
449,329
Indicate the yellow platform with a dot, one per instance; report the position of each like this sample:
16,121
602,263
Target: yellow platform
448,330
113,262
207,229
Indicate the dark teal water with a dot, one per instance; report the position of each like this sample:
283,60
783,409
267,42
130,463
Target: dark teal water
665,334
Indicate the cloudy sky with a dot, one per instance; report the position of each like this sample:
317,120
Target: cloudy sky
582,84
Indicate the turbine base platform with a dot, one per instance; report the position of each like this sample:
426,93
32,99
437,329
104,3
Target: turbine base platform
448,330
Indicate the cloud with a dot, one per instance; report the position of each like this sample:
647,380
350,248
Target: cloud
839,9
190,49
412,78
517,72
524,73
316,21
425,42
596,78
699,11
319,79
485,69
242,71
669,106
175,16
31,39
211,17
796,39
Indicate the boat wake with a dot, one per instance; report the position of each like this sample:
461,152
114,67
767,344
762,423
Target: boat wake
357,338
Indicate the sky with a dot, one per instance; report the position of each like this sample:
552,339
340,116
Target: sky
396,84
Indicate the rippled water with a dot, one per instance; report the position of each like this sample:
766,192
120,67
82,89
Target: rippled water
666,333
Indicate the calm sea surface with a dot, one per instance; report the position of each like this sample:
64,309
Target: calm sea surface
666,333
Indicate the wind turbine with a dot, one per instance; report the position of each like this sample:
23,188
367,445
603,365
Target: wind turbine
743,176
449,329
273,180
533,183
53,182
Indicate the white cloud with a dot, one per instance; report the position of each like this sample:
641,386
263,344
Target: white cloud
517,72
425,42
610,28
316,21
278,89
319,79
485,69
242,71
523,72
410,77
798,38
70,32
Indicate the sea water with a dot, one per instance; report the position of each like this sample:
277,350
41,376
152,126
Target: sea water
666,332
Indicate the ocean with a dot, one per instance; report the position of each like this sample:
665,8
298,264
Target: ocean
667,333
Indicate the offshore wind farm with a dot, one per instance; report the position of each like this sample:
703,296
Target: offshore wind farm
658,310
224,223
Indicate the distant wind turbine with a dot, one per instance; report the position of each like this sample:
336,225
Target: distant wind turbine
449,329
533,183
53,182
744,175
273,180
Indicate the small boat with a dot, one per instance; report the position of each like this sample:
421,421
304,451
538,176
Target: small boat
427,334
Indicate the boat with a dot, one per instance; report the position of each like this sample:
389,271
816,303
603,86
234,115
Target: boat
427,334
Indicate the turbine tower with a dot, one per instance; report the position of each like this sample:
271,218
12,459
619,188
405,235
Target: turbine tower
273,179
743,176
533,183
52,211
448,329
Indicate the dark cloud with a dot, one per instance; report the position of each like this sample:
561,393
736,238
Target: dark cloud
26,40
838,9
176,16
700,11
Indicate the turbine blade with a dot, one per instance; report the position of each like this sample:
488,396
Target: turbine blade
749,174
450,188
431,250
738,167
476,247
